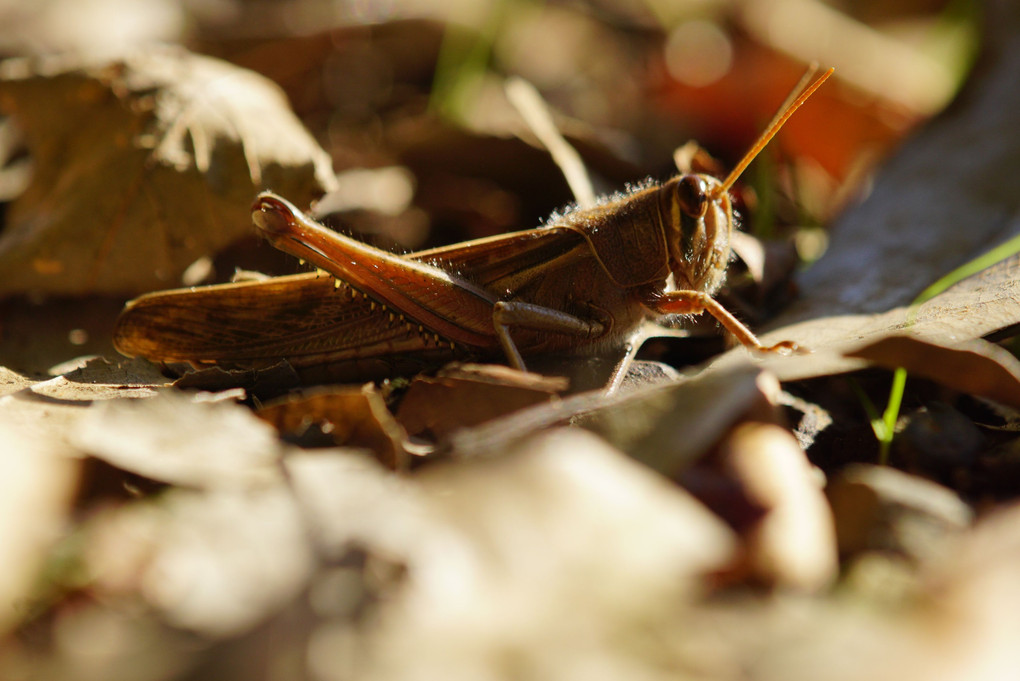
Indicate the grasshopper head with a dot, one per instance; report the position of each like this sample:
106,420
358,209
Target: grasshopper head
698,215
698,221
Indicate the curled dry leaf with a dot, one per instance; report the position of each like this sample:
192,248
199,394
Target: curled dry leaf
976,367
976,307
141,166
346,416
793,544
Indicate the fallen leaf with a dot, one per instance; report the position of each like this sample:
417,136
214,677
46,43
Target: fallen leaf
142,165
215,561
12,381
975,367
977,307
37,484
349,500
944,198
878,508
669,427
172,438
465,395
346,417
974,595
49,412
562,524
793,543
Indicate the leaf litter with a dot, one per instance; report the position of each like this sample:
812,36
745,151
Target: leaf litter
674,529
147,163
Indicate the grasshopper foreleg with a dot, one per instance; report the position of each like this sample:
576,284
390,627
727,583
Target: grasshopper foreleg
697,302
507,314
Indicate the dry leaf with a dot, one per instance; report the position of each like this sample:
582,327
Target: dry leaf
467,395
669,427
49,412
217,561
976,307
794,543
142,165
36,486
346,417
976,367
878,508
975,595
556,558
173,438
944,198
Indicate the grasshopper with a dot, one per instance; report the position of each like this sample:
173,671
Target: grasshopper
581,285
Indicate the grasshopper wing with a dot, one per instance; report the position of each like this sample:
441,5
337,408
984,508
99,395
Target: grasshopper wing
309,321
302,317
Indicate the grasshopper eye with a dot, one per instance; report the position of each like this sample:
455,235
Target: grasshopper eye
692,195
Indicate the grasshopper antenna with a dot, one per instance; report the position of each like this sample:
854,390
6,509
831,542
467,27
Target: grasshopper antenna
777,122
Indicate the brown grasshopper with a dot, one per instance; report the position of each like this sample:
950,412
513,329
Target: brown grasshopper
581,285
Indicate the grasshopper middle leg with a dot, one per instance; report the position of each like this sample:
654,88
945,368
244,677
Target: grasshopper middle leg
506,314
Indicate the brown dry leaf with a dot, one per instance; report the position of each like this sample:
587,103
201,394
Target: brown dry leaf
176,438
976,307
263,383
466,395
142,165
794,543
976,367
666,423
347,416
